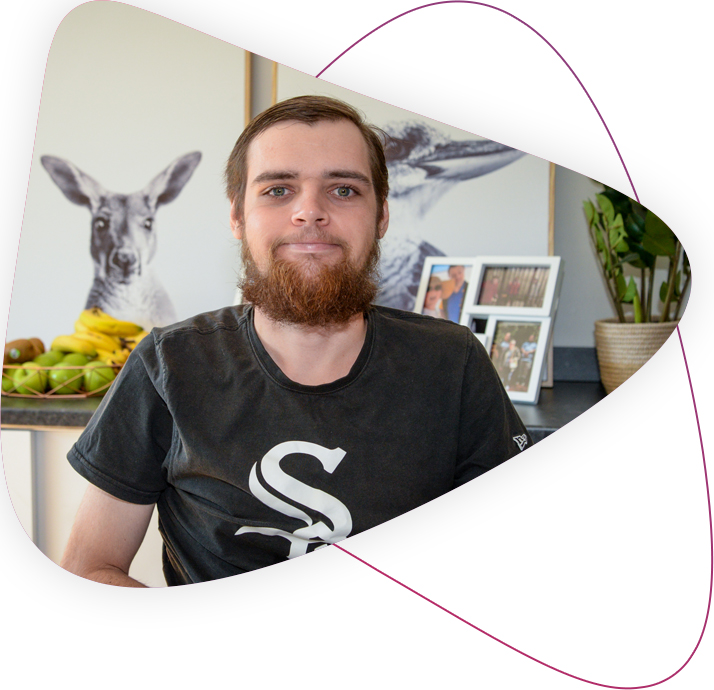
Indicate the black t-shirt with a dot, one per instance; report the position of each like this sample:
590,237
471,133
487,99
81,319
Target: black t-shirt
249,468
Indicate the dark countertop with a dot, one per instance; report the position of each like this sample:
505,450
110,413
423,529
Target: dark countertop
559,405
556,407
26,412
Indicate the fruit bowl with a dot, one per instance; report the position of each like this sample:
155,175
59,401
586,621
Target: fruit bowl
42,382
81,365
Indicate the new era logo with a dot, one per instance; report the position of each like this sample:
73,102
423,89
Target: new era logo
521,441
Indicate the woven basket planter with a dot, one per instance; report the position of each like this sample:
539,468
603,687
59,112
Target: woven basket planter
622,348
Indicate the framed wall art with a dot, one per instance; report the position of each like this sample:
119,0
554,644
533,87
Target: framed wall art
130,98
518,346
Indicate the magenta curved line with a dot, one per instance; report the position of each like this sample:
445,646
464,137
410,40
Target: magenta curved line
689,378
513,16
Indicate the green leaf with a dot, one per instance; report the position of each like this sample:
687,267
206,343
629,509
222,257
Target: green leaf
638,307
618,236
659,239
646,260
634,227
638,210
620,202
608,210
631,292
621,247
663,291
599,242
589,211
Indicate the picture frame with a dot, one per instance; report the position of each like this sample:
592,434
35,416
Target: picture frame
445,273
479,326
517,285
521,373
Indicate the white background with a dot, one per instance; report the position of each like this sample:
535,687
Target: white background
591,551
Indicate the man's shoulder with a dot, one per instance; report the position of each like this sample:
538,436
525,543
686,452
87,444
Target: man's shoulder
429,344
399,319
219,320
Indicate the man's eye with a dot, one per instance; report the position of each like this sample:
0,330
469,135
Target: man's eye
344,191
277,191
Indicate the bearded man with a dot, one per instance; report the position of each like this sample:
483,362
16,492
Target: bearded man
265,432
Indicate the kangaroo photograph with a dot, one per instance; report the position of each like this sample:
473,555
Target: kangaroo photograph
123,239
126,210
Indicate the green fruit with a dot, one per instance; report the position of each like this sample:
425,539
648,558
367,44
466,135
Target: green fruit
30,379
7,383
97,375
49,359
75,359
68,380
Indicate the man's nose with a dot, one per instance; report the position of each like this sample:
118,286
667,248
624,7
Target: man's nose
310,209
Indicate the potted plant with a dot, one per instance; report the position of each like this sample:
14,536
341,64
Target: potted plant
628,240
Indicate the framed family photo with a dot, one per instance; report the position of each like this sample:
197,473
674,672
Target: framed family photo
517,346
443,287
527,286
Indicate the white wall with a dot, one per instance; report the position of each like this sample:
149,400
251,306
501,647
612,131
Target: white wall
583,297
125,93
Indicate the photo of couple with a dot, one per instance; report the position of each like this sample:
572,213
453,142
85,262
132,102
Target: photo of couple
445,291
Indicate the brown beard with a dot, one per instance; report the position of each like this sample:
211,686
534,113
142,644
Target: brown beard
291,292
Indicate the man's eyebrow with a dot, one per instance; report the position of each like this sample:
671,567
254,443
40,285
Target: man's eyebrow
273,175
347,175
280,175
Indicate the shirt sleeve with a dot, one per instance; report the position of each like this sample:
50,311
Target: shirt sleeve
490,430
123,447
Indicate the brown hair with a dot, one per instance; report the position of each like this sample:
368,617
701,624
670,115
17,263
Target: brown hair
307,110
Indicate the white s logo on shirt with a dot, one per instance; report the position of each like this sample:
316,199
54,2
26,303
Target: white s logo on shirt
315,499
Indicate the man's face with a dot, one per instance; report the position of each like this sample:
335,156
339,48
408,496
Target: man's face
309,197
456,273
309,225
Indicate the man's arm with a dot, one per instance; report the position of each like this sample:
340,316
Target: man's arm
105,537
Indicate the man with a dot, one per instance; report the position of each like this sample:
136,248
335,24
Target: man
456,299
510,362
528,350
266,432
489,291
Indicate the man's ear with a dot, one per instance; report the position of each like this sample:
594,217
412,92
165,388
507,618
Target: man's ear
384,222
236,222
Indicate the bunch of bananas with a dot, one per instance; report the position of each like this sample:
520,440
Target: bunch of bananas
101,336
